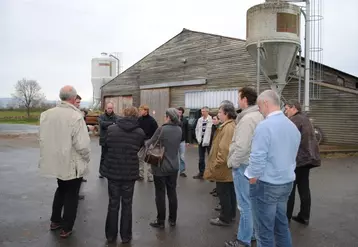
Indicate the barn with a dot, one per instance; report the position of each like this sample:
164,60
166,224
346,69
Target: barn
195,69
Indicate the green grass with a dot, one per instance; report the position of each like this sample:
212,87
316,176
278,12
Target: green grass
19,117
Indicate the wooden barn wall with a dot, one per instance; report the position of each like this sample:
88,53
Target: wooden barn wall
126,84
335,113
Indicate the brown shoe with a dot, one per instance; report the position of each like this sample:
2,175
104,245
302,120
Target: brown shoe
55,226
64,234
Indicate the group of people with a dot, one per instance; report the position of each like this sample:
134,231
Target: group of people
65,154
256,157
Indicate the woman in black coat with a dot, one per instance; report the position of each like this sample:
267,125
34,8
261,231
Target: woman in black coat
123,141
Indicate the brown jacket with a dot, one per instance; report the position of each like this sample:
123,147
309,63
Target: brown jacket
308,153
217,169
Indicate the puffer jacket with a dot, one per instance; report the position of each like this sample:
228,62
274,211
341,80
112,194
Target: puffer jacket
123,141
64,143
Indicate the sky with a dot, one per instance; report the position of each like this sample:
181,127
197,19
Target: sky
53,41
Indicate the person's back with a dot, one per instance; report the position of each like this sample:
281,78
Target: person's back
284,140
170,139
123,141
60,154
64,154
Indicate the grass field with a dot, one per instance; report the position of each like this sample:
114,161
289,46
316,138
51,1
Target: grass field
19,117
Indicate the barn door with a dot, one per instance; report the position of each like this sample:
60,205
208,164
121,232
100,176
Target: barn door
119,102
158,102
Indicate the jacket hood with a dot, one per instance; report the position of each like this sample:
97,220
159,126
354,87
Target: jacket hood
249,109
128,124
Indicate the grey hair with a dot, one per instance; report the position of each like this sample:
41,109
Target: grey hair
225,102
205,108
173,115
67,93
228,110
270,96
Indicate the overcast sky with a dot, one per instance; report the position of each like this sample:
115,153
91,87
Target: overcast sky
53,41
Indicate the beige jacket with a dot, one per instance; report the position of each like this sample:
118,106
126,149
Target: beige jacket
64,143
240,147
217,169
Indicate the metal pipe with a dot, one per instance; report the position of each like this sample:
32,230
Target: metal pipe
307,57
258,68
117,62
299,74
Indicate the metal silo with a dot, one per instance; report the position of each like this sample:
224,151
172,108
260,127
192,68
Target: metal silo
103,70
273,40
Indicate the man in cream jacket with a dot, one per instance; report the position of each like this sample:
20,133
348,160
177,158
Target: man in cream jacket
203,136
238,160
64,154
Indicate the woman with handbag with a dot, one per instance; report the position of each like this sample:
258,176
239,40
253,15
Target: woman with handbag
166,140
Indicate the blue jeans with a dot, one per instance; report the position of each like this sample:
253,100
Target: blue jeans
242,190
182,157
269,206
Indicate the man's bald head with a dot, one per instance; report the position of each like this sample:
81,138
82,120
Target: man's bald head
68,94
109,108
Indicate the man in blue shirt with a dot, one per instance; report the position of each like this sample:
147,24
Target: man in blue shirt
271,172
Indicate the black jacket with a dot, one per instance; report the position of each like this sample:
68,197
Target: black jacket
170,139
148,125
123,141
308,152
104,121
184,129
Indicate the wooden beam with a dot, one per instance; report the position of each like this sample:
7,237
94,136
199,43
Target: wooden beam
175,84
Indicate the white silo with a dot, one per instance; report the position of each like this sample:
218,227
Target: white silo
103,70
273,40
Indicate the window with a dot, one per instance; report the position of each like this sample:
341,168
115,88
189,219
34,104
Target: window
341,81
288,23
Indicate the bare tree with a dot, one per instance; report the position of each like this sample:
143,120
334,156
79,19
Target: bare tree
28,93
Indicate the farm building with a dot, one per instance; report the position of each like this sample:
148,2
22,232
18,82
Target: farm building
195,69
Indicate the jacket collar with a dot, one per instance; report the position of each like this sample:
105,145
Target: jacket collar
226,122
249,109
64,104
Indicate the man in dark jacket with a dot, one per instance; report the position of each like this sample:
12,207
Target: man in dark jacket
107,119
148,124
307,157
121,167
184,142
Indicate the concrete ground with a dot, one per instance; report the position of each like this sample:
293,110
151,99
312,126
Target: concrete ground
26,199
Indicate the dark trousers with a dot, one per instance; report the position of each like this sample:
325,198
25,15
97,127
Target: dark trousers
202,151
227,197
168,183
103,156
303,185
120,193
66,197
